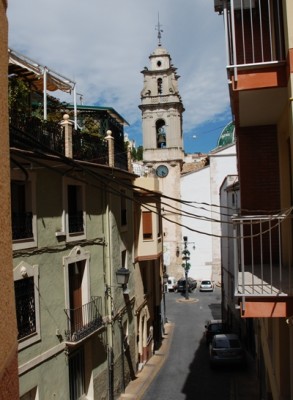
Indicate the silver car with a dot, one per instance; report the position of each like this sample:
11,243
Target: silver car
226,349
206,286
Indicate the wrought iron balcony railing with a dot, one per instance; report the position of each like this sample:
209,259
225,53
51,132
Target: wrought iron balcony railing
258,266
83,321
48,137
254,31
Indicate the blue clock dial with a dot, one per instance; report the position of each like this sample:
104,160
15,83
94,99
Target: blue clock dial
162,171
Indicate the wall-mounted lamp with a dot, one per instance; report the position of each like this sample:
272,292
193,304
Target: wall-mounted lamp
177,251
122,276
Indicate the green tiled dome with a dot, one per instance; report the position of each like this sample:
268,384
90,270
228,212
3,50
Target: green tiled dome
227,135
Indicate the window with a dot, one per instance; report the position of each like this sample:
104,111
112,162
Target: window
74,211
160,85
27,303
23,212
147,225
25,306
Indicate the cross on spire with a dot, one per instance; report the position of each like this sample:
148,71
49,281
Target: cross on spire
158,28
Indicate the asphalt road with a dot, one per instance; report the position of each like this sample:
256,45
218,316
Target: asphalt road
186,374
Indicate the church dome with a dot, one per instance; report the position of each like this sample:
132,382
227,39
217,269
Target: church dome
227,135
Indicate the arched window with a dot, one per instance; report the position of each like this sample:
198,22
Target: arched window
160,85
161,133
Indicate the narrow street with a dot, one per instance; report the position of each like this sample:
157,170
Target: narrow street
186,374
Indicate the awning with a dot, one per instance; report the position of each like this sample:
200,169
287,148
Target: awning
40,77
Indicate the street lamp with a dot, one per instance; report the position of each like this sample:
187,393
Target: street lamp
186,265
122,276
165,289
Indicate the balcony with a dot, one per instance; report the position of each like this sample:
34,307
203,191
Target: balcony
262,282
256,58
46,137
84,321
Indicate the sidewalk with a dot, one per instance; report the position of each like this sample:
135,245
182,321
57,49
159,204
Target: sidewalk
136,388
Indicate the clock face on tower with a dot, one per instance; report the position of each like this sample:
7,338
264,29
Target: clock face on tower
162,171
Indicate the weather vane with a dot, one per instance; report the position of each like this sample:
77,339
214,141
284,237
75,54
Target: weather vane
158,28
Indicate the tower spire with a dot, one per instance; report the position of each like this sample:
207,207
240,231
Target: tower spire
158,28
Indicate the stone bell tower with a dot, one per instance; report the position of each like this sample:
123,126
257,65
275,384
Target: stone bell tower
163,154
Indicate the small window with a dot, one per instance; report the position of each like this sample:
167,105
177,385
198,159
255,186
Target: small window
74,215
75,209
160,85
147,225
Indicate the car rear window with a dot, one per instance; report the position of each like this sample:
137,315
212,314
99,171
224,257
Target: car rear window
221,344
215,327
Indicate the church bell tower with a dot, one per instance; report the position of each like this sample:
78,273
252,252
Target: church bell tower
162,108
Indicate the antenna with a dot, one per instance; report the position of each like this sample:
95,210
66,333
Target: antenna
158,28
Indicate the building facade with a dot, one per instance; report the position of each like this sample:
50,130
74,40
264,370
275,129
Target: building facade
259,66
79,226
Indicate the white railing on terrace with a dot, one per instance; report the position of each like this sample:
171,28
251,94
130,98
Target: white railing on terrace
254,32
258,267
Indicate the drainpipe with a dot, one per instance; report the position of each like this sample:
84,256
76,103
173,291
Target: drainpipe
122,351
108,296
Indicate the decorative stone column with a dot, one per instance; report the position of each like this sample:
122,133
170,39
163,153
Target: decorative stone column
67,135
110,141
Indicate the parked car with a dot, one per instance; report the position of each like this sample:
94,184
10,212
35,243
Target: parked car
171,284
206,286
226,349
180,287
212,328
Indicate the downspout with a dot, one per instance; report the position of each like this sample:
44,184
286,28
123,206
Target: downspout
109,311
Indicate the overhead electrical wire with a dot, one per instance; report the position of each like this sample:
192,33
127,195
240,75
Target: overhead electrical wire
78,166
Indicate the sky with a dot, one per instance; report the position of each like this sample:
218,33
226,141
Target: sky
104,45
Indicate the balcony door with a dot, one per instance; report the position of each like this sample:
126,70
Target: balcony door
76,272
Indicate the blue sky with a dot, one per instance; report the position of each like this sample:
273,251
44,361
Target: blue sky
103,46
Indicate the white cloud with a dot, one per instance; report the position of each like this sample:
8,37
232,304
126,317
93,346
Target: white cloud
103,46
